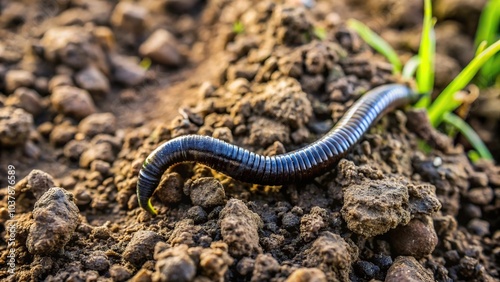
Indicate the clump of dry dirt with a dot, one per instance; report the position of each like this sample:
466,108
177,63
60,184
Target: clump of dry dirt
100,87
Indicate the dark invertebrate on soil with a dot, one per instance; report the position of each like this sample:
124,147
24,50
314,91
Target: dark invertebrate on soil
241,164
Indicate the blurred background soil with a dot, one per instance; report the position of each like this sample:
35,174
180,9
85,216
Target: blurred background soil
89,88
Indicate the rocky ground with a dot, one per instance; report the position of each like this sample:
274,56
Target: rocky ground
90,88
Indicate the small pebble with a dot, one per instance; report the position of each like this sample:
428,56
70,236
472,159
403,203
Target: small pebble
74,149
290,221
97,261
60,80
92,80
126,70
479,227
18,78
15,126
197,214
382,261
129,16
101,151
119,273
26,99
98,123
366,269
162,47
72,101
38,182
418,238
480,196
62,134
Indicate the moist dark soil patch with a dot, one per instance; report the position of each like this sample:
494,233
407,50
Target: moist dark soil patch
82,108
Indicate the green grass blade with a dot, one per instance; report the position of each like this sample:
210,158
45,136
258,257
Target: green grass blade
411,67
446,101
468,133
488,30
377,43
489,21
426,53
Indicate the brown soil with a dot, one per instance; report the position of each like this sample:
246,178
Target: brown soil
80,112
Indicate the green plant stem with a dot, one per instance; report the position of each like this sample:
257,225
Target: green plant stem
426,53
468,133
377,43
446,101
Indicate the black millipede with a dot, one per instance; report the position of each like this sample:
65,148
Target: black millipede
305,163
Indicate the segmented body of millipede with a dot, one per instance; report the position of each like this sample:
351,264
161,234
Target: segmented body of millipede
241,164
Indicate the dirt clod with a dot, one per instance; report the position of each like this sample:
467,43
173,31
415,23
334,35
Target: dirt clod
375,207
207,192
170,189
174,265
15,79
99,123
407,269
61,134
119,273
141,247
72,101
239,229
92,80
265,268
37,182
101,151
162,47
15,126
55,219
97,261
311,224
333,255
307,275
126,70
26,99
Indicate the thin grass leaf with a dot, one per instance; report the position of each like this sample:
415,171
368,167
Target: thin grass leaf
468,133
488,30
426,53
473,156
446,101
377,43
489,21
411,67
